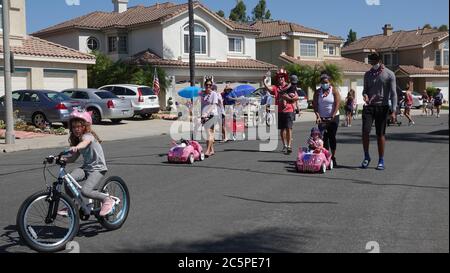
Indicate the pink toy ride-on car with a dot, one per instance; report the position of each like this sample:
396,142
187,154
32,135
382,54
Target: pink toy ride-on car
187,151
313,161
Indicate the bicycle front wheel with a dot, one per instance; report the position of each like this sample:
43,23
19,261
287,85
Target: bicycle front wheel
43,233
115,187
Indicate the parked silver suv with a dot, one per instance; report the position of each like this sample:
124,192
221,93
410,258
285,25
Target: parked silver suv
143,99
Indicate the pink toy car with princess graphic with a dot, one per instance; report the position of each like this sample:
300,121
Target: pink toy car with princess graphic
315,158
313,161
187,151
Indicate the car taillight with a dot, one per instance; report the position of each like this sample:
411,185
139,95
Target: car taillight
110,104
61,106
141,98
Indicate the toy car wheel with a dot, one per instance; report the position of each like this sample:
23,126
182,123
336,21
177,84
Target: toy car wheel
168,160
191,159
202,156
331,165
324,168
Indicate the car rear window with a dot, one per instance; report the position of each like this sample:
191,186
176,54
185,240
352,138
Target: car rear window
146,91
106,95
58,97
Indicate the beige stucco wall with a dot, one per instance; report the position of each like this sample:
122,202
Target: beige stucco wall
66,38
270,51
18,27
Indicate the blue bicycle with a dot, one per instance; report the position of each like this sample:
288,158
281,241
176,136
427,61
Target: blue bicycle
41,225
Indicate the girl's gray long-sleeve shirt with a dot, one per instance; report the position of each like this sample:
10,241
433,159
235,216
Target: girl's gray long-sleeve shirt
381,88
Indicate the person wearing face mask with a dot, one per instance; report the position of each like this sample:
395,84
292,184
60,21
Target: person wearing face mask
326,103
379,87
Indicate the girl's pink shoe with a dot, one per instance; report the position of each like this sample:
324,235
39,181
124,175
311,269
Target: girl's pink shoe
107,206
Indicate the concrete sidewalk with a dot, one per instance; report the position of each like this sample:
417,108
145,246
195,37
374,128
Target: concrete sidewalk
128,129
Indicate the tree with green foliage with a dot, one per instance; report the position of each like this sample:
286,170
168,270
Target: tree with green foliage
443,28
105,72
352,36
261,12
427,26
239,13
221,13
309,76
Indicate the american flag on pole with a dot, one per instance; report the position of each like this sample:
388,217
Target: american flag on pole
156,87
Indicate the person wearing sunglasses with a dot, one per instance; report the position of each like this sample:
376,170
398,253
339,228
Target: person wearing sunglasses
210,112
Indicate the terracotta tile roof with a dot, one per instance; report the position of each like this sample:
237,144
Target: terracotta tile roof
398,39
36,47
148,57
414,70
134,16
278,28
347,65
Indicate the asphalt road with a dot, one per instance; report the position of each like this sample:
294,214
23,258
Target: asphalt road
243,200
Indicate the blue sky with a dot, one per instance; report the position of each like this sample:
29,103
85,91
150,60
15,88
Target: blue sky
332,16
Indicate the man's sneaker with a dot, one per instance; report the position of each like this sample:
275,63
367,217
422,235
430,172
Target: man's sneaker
365,163
380,166
63,212
288,150
284,150
107,206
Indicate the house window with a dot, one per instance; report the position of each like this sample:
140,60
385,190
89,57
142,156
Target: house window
200,39
235,45
92,43
308,48
437,58
387,59
329,49
112,44
446,53
1,15
123,44
394,59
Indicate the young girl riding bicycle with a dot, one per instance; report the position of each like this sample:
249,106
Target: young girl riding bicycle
84,141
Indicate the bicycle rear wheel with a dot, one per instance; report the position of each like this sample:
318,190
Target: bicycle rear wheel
115,186
47,236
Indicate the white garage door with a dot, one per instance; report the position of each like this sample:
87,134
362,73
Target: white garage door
20,80
59,81
443,85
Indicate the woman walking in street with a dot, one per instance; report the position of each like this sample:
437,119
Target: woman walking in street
425,99
210,105
326,107
408,105
349,108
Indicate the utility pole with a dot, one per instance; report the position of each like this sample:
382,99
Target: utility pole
9,136
191,43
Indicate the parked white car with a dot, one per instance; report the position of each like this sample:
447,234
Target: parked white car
417,100
144,101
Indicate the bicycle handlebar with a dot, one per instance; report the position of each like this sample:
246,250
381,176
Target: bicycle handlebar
56,159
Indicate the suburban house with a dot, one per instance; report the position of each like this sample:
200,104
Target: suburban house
418,57
158,35
40,64
282,43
